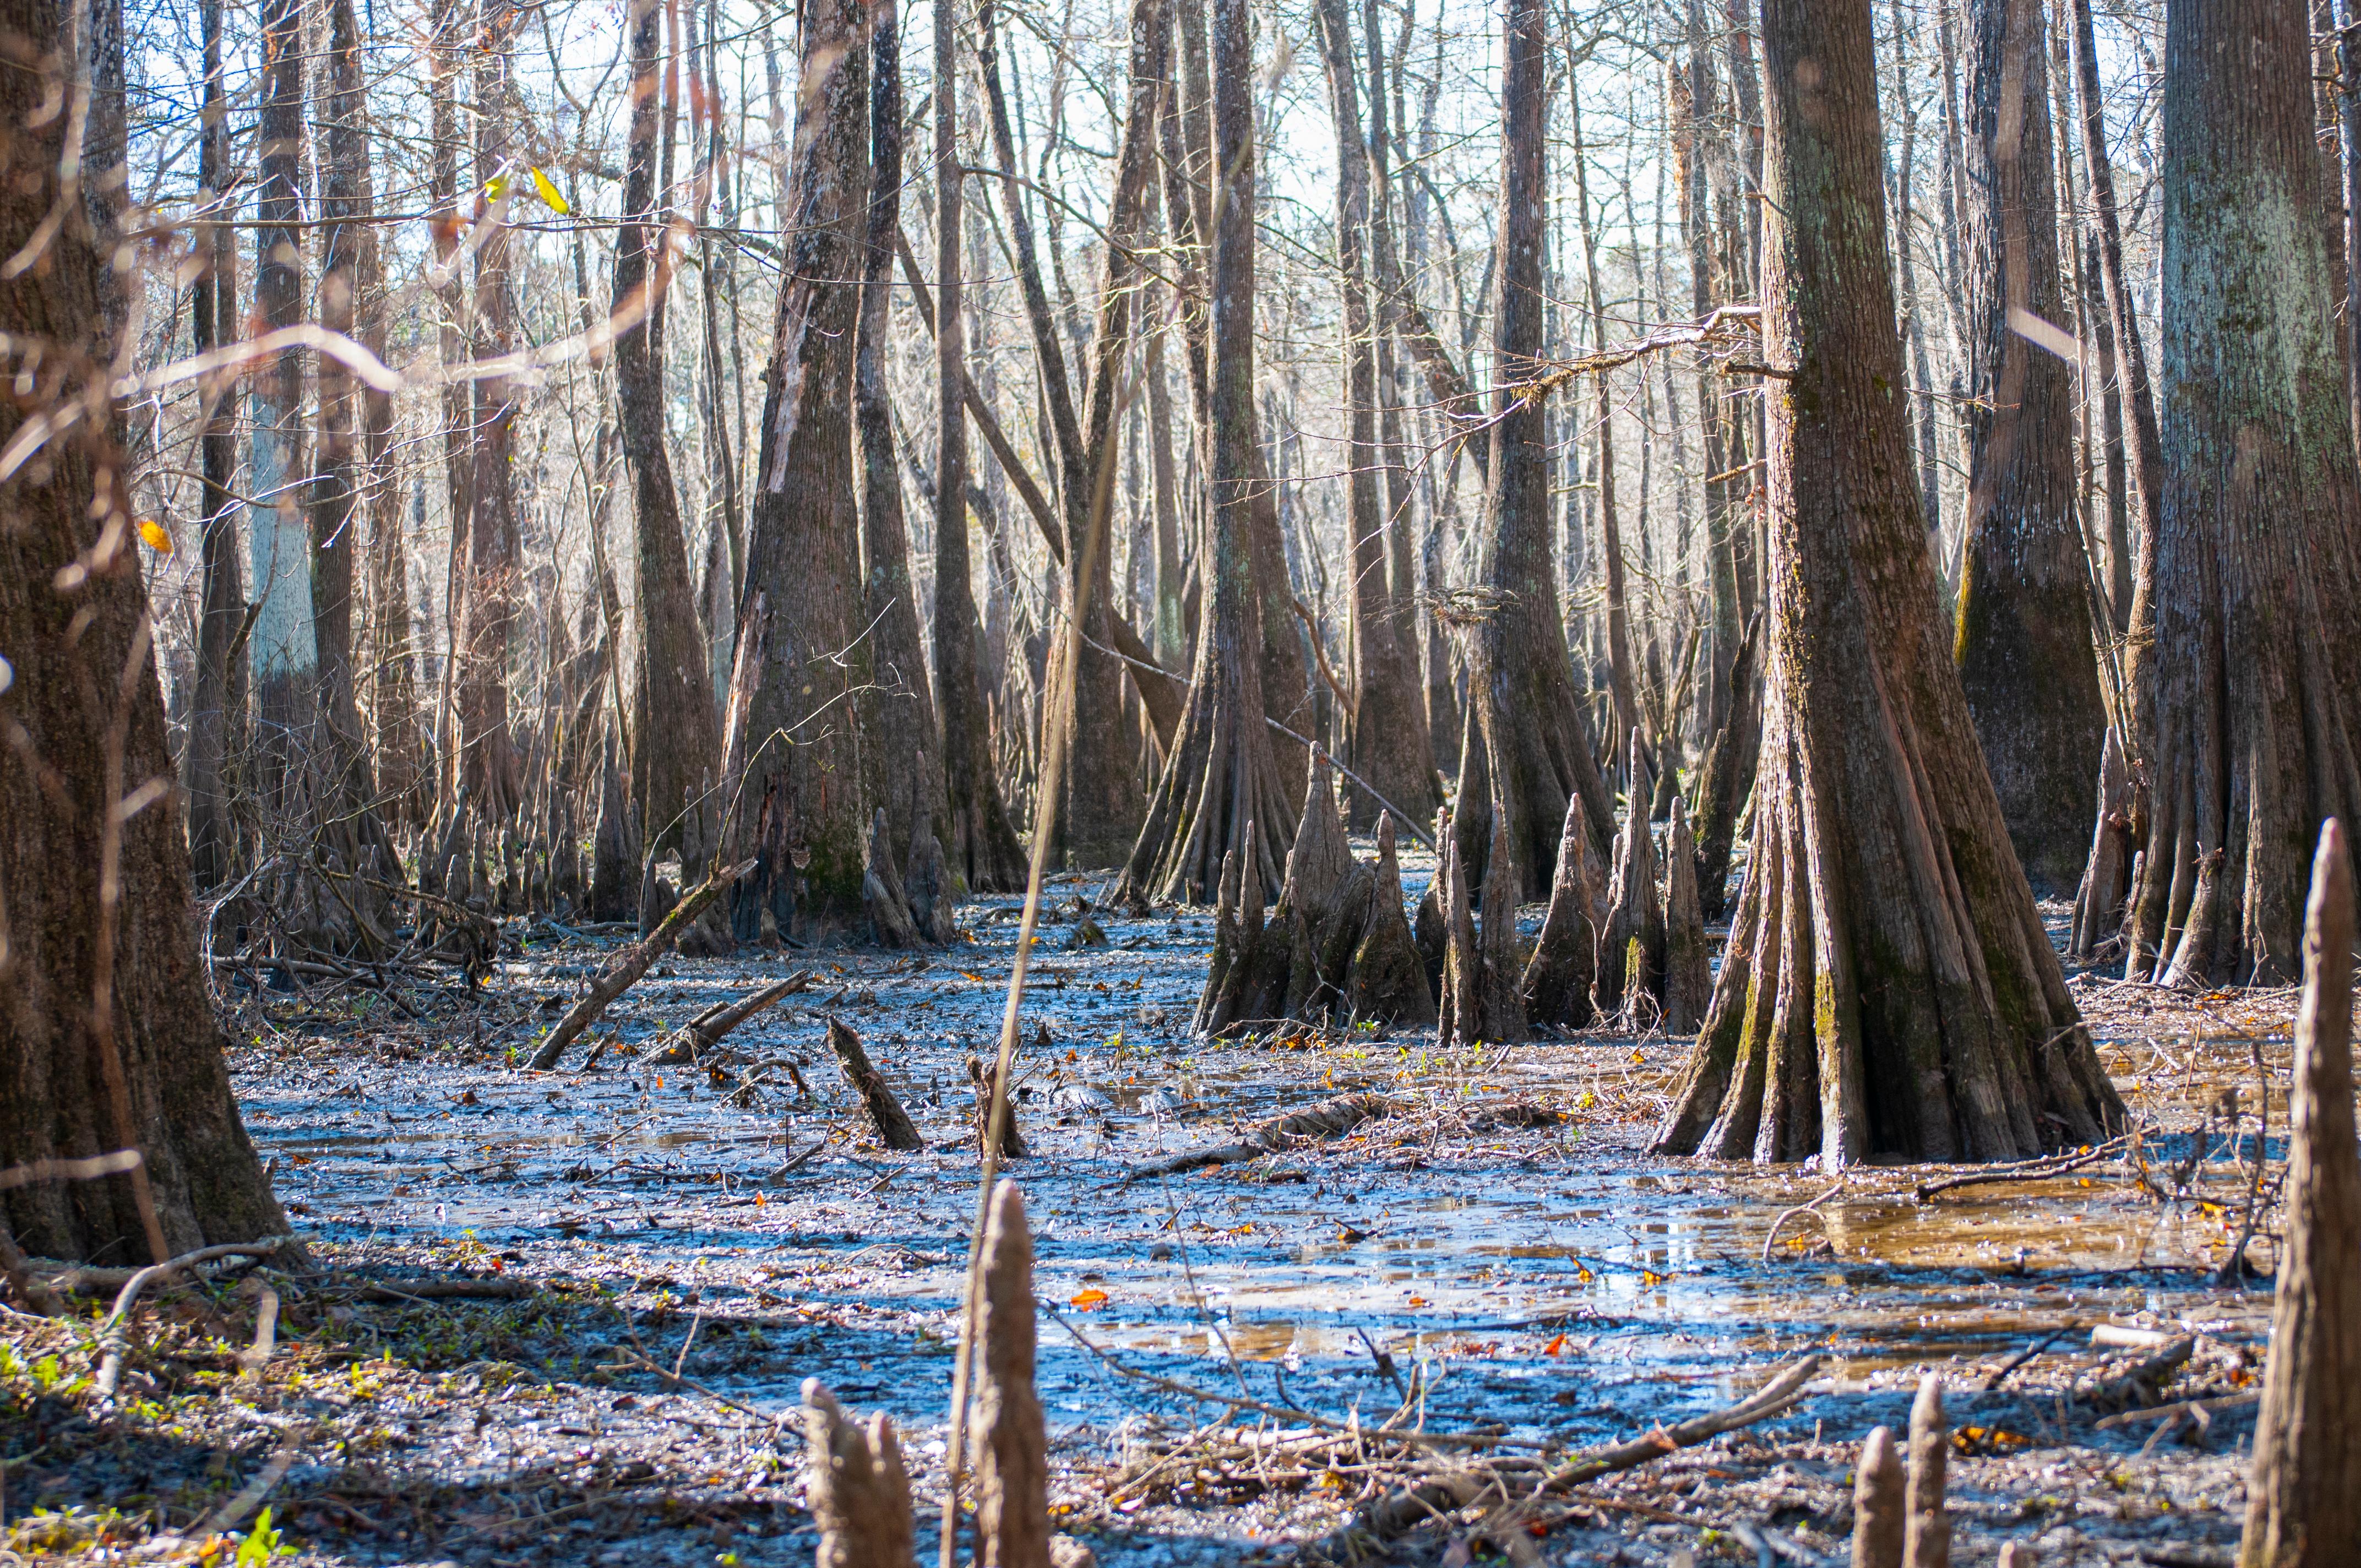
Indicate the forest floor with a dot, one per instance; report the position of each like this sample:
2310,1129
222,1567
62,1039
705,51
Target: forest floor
564,1317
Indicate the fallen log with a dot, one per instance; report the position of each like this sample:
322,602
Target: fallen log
624,970
1329,1119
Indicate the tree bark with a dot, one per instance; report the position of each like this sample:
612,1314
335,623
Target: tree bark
800,735
1387,736
1222,782
678,733
106,1037
980,843
907,777
282,645
2257,557
488,759
1528,728
216,717
1888,986
2304,1499
449,227
2024,631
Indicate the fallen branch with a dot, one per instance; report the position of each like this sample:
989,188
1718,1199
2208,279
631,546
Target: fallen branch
1402,1510
1329,1119
2026,1170
624,970
705,1031
2181,1407
111,1339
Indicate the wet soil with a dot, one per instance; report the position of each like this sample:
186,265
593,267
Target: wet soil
683,1244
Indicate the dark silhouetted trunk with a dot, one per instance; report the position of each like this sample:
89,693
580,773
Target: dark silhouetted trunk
2024,645
2257,557
107,1039
1888,986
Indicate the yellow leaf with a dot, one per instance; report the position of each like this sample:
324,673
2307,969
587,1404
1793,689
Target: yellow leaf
557,203
153,532
496,187
1091,1298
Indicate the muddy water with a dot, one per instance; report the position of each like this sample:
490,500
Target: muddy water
1560,1281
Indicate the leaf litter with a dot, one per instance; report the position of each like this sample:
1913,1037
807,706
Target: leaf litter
564,1317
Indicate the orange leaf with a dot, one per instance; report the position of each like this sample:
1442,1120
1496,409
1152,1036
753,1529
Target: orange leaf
1555,1346
1091,1300
153,532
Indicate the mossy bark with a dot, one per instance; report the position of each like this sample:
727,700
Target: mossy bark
800,734
1888,986
2257,664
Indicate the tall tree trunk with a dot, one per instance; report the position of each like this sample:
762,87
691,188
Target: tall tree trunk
454,329
1386,728
908,758
977,836
679,737
1610,527
1528,748
1222,781
217,717
284,647
488,761
107,1040
346,788
796,743
1888,986
2257,558
1099,814
2024,631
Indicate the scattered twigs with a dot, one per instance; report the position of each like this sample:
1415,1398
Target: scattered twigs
624,970
112,1340
1329,1119
1404,1509
2027,1170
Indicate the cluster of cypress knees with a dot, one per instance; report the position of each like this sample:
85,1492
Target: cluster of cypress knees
1627,948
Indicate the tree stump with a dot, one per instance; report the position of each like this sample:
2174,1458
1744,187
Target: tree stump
1566,957
886,1113
1009,1440
1927,1542
1879,1512
1387,982
1336,945
927,884
1689,960
1632,945
857,1487
1012,1141
2304,1497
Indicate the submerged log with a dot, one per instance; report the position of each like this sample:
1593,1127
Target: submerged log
1329,1119
885,1114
